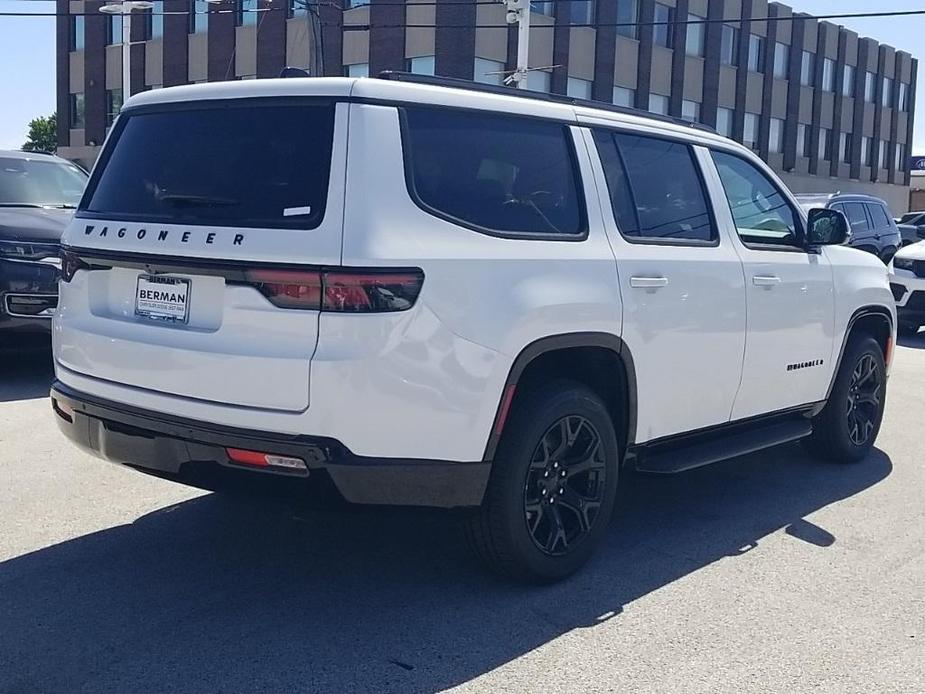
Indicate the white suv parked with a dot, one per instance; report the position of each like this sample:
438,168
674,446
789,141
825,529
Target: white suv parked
454,297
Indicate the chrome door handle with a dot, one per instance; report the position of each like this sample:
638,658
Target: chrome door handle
765,280
648,282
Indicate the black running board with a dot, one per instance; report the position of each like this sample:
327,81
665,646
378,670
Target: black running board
696,450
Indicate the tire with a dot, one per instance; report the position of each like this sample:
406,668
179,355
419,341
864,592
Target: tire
907,329
848,425
519,512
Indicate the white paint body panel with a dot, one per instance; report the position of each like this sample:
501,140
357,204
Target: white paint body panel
426,383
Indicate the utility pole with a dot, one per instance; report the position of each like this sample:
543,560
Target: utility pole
518,12
125,8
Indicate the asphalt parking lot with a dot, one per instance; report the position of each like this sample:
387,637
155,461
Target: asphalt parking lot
770,573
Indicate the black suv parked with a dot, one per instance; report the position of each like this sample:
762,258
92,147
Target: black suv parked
872,227
38,193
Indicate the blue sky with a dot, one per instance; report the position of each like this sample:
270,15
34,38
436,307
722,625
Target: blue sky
27,54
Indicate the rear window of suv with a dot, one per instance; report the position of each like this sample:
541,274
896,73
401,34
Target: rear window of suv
496,174
247,164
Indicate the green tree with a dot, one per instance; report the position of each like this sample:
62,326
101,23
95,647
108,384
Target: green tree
43,134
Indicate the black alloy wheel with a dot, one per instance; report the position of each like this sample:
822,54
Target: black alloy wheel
565,485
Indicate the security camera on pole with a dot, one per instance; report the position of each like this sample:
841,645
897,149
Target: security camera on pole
518,12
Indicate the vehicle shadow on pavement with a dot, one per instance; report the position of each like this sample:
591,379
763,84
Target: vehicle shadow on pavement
227,594
26,369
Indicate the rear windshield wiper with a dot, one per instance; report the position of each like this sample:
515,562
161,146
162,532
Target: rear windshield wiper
180,200
20,204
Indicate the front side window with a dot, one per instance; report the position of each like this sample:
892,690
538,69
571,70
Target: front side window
628,18
879,216
31,182
857,218
655,188
729,45
662,29
761,214
781,60
494,173
210,165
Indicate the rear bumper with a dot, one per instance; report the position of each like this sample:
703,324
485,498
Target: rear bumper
172,447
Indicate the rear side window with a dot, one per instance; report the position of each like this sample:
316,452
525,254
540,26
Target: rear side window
510,176
234,164
854,211
878,215
655,188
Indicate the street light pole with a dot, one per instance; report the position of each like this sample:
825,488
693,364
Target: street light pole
125,8
518,12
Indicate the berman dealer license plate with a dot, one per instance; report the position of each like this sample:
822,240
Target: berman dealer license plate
162,298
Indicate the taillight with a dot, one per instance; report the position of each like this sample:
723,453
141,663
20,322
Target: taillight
70,264
342,291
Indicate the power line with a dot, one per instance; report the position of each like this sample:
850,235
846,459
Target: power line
367,27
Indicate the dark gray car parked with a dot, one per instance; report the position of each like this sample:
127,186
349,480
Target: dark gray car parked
872,226
912,227
38,194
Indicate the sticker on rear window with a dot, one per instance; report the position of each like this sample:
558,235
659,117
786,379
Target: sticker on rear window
296,211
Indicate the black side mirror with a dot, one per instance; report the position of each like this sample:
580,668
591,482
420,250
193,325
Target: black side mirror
827,228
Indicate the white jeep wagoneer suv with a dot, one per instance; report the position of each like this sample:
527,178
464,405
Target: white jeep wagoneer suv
457,297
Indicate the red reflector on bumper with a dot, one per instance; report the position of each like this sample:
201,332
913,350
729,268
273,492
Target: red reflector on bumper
260,459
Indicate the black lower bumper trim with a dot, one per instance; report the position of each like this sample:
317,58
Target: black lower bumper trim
175,447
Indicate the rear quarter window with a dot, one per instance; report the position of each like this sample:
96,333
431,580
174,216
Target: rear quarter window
251,164
495,174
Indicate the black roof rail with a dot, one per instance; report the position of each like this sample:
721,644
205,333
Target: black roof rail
457,83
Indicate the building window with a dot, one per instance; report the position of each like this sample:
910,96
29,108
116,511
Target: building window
750,134
724,121
628,18
350,4
199,16
422,65
755,52
539,81
157,20
869,90
297,8
729,45
546,7
776,135
825,144
807,68
357,70
884,154
77,34
147,24
578,89
866,153
844,148
781,60
802,140
624,97
828,75
696,36
903,96
663,28
245,14
113,105
489,71
658,104
886,98
76,111
847,85
114,29
581,11
900,158
690,110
